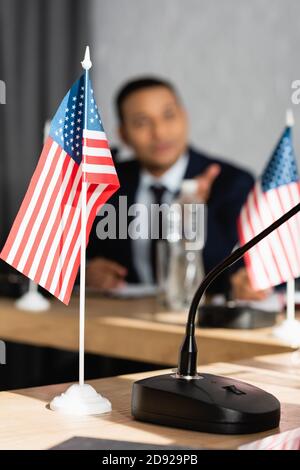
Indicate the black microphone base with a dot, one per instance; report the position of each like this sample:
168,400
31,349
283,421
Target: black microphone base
211,404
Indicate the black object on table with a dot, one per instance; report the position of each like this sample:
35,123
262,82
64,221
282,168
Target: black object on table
236,317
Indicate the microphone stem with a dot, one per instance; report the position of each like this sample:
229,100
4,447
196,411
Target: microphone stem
188,353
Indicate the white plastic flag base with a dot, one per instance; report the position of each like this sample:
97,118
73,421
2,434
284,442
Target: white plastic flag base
289,331
80,400
33,301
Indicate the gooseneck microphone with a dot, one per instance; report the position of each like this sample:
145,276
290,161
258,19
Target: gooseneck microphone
187,364
206,402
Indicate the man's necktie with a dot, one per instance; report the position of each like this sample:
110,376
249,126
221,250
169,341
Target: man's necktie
158,192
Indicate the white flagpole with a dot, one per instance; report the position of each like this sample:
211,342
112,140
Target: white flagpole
82,398
290,300
86,64
32,301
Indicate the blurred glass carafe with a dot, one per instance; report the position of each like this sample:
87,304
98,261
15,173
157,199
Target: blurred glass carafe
184,245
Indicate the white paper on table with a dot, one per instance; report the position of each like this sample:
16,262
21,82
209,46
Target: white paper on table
133,291
297,297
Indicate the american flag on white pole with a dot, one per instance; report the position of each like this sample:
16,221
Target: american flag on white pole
275,259
44,242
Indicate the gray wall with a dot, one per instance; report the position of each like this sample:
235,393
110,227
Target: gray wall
233,62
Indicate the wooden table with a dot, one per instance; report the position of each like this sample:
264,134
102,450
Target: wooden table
27,423
131,329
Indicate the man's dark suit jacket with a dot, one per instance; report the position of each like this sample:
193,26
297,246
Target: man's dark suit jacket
227,196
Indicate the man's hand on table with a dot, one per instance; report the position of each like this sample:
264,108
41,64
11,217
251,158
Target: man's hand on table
103,274
242,289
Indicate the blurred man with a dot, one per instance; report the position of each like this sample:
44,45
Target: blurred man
154,124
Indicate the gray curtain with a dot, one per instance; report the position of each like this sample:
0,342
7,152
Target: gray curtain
41,45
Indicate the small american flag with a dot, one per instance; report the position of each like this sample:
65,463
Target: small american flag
277,258
44,242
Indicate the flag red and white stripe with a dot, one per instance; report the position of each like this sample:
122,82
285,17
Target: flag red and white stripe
98,165
44,242
275,259
288,440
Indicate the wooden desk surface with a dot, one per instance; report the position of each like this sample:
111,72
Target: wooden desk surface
27,423
129,329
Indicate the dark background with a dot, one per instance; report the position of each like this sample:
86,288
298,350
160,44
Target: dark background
41,45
